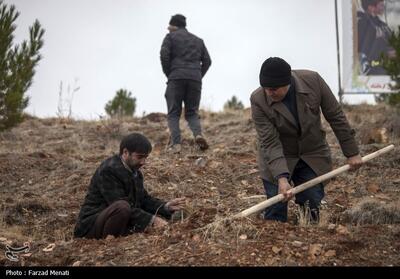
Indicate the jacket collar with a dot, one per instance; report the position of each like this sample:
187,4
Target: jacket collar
302,90
181,29
300,85
135,173
282,109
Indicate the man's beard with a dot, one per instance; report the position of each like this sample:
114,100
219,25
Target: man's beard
133,165
137,167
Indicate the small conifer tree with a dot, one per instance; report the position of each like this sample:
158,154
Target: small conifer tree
233,104
17,64
123,104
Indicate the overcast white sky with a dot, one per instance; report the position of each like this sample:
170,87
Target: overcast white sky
110,44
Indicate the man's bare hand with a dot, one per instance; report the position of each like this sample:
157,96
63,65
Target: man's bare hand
355,162
159,223
176,204
285,188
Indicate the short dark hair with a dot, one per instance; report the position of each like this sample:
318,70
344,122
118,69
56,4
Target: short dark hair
178,20
135,142
366,3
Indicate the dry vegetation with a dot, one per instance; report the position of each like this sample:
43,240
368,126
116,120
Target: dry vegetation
46,165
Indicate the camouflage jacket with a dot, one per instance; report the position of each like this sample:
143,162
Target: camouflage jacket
112,182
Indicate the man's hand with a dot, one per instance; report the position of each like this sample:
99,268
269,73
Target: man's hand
285,188
355,162
175,204
159,222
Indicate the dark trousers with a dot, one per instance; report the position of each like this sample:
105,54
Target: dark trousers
188,92
309,199
114,220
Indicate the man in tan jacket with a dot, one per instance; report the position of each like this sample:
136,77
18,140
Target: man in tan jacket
292,145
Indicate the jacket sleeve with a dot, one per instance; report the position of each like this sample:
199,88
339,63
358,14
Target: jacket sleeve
165,55
155,206
140,219
205,61
269,142
336,118
111,189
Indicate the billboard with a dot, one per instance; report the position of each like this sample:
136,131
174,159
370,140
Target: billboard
367,26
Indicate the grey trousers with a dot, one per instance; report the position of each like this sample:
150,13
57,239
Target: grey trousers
188,92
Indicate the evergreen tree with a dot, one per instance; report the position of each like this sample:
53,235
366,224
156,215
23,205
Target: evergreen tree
392,66
233,104
17,65
123,104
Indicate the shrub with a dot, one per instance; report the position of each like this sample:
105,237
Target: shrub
392,66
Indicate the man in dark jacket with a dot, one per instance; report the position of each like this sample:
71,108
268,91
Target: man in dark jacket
117,203
185,61
291,142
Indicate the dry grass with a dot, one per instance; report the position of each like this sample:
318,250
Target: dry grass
247,228
304,217
215,228
370,211
239,228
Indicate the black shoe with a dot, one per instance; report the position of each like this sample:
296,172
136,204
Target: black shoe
201,142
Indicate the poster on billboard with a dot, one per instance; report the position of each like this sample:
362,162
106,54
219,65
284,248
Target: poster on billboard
372,22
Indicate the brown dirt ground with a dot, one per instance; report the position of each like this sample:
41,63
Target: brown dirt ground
46,165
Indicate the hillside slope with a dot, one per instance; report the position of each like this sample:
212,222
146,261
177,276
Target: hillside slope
46,166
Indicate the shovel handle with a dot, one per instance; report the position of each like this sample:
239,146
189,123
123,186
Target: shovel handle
262,205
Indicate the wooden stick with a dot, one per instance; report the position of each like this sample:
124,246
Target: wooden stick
254,197
260,206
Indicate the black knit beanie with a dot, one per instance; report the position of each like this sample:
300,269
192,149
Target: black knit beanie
178,20
275,72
